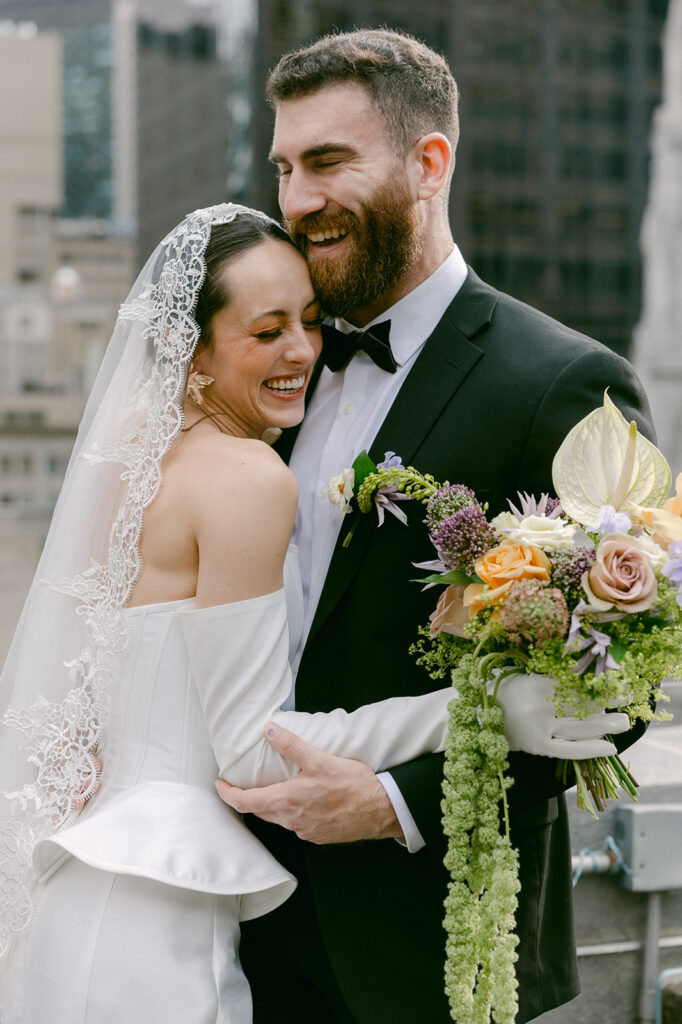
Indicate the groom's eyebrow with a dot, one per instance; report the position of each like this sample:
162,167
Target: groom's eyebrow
315,152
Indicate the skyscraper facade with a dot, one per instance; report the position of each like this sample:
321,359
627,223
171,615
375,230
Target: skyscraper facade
144,113
85,32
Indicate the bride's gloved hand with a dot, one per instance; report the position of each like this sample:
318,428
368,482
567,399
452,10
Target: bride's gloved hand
532,725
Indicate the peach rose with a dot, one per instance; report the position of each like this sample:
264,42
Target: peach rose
499,568
450,614
622,576
665,523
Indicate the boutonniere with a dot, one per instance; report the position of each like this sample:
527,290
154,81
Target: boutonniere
363,484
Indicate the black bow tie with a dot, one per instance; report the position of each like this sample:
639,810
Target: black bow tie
338,348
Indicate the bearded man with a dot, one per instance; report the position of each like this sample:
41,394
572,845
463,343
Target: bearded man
475,388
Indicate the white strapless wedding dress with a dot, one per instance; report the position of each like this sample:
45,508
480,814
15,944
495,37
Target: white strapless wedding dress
138,919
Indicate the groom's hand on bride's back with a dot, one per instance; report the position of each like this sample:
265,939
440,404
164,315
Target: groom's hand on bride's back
331,800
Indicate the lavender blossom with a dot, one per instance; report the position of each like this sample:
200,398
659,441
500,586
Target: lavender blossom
673,568
446,501
391,461
462,537
568,568
533,612
610,521
596,647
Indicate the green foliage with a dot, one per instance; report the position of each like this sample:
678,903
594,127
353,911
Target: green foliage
416,485
481,902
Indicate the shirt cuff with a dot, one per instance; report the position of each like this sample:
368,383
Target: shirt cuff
414,840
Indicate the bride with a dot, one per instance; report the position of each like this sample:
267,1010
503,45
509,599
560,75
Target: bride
154,646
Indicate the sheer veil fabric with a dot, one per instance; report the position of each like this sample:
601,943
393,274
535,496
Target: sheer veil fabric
55,685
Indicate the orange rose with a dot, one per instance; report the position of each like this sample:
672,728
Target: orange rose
666,522
499,568
450,614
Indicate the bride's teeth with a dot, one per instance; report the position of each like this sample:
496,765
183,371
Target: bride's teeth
290,384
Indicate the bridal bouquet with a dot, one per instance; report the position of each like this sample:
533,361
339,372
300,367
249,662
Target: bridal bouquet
585,588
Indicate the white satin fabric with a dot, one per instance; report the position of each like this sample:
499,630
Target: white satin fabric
158,872
157,814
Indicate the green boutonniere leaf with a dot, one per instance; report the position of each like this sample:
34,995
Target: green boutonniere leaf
363,467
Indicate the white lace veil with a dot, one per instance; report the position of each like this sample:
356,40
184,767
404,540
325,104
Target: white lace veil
54,688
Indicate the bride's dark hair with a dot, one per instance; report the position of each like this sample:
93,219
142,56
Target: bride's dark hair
228,241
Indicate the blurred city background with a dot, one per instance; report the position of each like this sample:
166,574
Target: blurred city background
118,117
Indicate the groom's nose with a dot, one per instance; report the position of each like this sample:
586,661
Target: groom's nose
300,194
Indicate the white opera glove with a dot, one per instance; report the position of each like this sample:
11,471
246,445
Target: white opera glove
239,662
531,723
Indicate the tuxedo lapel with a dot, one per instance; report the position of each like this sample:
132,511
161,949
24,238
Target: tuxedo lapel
444,362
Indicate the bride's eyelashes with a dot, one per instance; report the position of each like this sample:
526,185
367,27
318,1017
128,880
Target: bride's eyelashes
275,332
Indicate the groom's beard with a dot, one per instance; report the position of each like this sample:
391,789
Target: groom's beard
383,244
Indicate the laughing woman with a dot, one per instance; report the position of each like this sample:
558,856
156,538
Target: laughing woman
154,646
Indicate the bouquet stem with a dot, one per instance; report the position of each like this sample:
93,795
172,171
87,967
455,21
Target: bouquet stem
600,779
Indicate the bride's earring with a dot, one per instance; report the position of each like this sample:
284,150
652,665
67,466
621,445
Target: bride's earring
196,382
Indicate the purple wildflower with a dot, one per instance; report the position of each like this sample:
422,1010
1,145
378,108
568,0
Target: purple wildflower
673,568
533,612
391,461
446,501
384,503
610,521
462,537
568,568
596,649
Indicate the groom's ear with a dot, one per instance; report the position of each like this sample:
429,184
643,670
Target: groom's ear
429,161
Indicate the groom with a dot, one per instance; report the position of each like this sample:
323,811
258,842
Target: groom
477,389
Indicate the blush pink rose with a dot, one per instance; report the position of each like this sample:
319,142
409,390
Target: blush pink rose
450,614
622,576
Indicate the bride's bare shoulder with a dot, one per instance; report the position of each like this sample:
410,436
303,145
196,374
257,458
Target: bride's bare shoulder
214,469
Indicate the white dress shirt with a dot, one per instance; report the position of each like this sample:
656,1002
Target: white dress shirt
343,418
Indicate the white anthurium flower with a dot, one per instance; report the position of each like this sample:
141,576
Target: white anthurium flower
542,532
605,461
339,490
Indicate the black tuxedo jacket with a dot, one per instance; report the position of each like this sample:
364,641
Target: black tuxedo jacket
488,402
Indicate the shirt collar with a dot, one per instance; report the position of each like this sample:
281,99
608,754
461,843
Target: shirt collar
415,316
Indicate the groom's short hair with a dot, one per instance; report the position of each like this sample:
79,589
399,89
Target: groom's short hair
410,84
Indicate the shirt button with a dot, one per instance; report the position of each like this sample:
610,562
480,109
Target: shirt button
296,665
348,408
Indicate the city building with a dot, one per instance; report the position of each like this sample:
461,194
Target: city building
37,432
552,165
26,327
145,115
30,149
84,95
92,269
658,338
180,115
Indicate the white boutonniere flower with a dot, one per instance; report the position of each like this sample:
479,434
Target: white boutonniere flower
339,490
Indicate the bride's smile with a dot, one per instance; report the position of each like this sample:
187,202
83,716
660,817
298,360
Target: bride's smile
261,346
